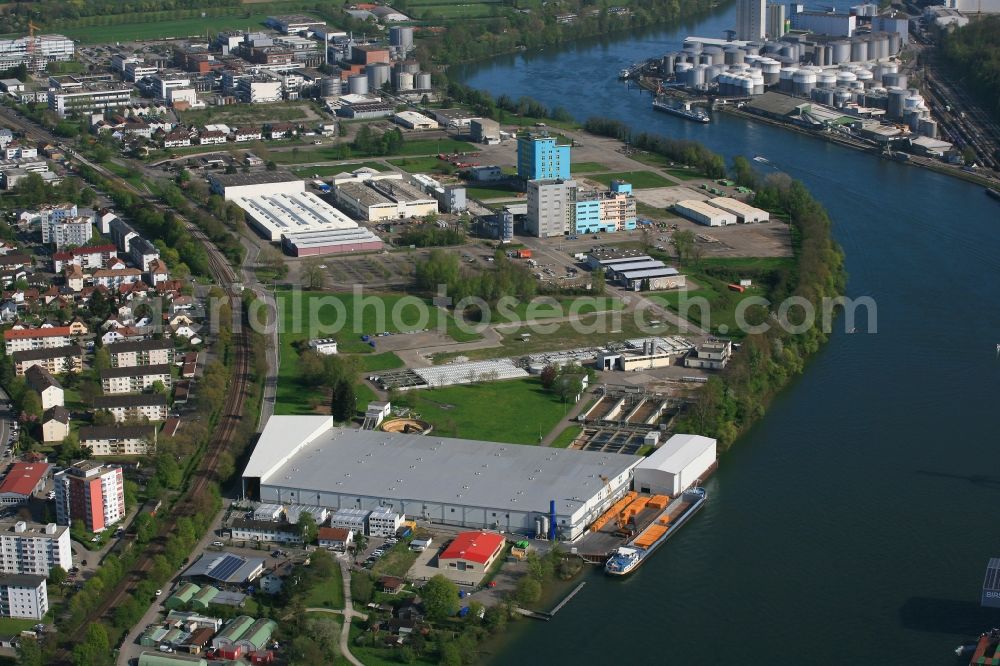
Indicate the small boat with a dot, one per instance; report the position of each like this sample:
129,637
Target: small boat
681,109
995,194
761,159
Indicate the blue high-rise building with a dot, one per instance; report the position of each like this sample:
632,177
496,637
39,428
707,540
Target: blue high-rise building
539,158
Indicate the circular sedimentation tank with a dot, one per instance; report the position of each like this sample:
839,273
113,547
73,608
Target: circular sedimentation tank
406,426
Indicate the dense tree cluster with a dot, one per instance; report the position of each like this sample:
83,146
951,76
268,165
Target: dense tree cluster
504,279
430,235
367,142
682,151
973,53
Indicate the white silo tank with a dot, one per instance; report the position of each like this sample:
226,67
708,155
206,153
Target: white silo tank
771,69
401,36
844,78
693,45
826,80
422,81
681,69
841,52
841,97
404,81
803,82
865,77
757,80
785,78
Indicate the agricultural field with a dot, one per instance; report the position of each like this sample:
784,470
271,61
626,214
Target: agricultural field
549,308
443,9
161,29
518,411
422,165
639,179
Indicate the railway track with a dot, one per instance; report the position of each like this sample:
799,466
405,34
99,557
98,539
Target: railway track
229,418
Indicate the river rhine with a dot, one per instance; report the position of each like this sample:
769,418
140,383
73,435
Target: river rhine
853,524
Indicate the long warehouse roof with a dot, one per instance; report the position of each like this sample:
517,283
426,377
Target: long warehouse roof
665,271
432,469
636,265
291,212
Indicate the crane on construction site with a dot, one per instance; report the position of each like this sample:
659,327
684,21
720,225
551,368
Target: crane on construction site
31,45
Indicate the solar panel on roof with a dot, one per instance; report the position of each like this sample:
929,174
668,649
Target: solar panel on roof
226,567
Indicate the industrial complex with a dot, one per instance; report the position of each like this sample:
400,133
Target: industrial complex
460,482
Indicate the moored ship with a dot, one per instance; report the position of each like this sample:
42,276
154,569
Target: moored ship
626,559
681,109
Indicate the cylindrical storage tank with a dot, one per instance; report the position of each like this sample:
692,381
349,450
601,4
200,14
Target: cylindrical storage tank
823,96
826,80
725,82
895,43
841,97
803,82
757,79
704,59
734,55
401,36
545,526
744,86
845,78
841,52
696,76
539,531
752,49
668,62
912,103
691,56
819,56
422,81
404,81
717,55
894,80
865,77
894,106
928,128
859,50
330,87
409,66
357,84
378,74
785,78
772,71
681,69
713,72
883,46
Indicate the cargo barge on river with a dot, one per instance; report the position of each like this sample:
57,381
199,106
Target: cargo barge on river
631,556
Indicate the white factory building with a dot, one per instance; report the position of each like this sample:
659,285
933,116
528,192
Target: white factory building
676,465
380,197
235,185
415,121
281,213
744,212
460,482
703,212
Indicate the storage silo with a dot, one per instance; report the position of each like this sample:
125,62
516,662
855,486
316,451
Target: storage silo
823,96
681,69
409,66
693,45
404,81
841,52
734,55
845,78
716,54
912,102
378,74
928,127
803,82
713,72
894,105
865,77
894,80
841,97
668,61
401,37
330,87
725,83
704,59
771,69
826,80
422,81
859,50
757,79
357,84
785,78
752,49
895,43
696,77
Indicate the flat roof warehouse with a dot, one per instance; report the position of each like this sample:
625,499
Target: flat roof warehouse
305,459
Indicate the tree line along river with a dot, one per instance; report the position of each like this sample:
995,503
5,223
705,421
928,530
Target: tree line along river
852,525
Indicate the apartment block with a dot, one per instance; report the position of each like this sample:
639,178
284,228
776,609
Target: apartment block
134,379
33,548
91,492
152,406
23,596
119,440
141,352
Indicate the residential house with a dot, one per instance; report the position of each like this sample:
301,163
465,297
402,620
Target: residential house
73,275
157,272
244,529
55,424
176,139
112,278
48,388
280,130
247,134
335,538
211,138
22,481
391,584
23,596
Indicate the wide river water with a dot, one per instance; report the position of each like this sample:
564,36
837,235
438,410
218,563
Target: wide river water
853,524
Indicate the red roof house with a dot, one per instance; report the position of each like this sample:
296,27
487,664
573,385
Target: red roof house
472,550
21,481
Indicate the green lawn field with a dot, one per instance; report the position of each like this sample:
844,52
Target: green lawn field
517,411
328,594
422,164
495,192
587,167
566,437
639,179
189,27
